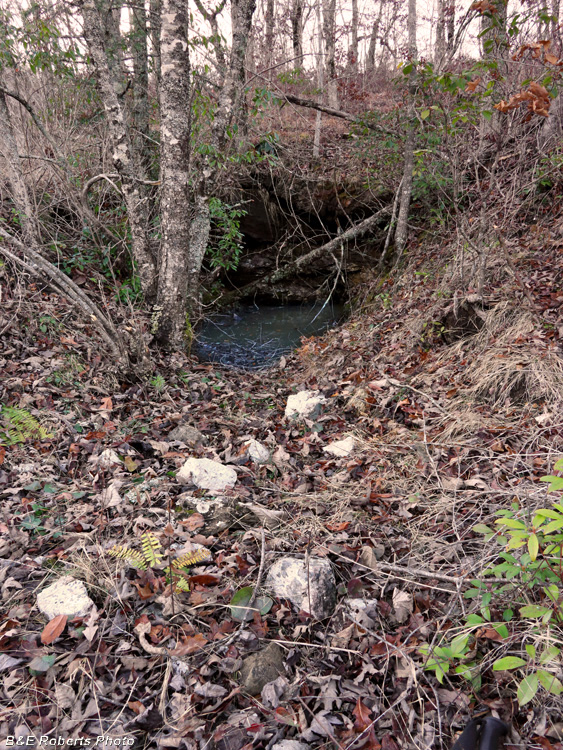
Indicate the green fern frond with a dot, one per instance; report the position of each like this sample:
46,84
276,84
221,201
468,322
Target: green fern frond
21,426
132,556
182,585
151,549
191,558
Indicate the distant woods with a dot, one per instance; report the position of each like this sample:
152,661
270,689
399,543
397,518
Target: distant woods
127,131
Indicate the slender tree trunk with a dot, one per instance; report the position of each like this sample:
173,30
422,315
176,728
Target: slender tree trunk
353,51
373,37
297,30
401,232
320,82
175,161
440,42
329,33
232,102
450,28
123,155
269,36
154,6
140,118
8,147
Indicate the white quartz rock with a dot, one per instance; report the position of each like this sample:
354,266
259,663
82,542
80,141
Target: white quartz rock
207,474
304,404
67,596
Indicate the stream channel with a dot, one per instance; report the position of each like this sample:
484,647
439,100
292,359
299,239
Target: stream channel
252,337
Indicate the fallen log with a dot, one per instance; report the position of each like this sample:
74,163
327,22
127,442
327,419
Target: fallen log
296,265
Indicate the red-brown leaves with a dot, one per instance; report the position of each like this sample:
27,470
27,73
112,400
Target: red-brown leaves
536,96
53,629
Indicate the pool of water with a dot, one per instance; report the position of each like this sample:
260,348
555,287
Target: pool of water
252,337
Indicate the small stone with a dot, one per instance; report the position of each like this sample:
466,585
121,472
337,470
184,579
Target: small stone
341,448
257,452
305,404
106,459
260,668
185,433
67,596
218,513
207,474
309,585
290,745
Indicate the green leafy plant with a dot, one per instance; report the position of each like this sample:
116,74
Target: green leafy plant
535,670
240,604
151,555
158,383
20,426
226,246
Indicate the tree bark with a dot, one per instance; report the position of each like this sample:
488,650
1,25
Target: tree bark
370,61
353,51
329,34
297,30
140,113
269,36
408,166
22,202
123,154
440,42
155,41
175,161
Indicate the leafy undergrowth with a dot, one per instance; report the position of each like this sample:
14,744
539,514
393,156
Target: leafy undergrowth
448,434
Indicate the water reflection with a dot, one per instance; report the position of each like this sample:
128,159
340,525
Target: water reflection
253,337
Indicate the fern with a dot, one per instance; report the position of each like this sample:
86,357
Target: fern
20,426
150,556
132,556
151,549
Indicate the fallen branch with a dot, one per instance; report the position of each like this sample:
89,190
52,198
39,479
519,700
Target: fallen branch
310,104
37,265
305,260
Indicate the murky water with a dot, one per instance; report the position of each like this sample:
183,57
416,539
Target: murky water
253,337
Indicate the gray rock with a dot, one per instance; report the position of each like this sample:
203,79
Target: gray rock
340,448
257,452
290,745
188,435
67,596
305,404
207,474
260,668
309,585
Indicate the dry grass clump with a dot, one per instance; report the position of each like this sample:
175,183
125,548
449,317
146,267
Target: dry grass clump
506,364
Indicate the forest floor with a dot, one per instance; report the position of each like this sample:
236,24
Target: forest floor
447,434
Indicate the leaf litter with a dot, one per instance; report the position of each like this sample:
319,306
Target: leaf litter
443,438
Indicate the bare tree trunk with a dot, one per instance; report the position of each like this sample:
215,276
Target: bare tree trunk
269,36
320,83
175,161
123,155
450,28
9,149
440,42
232,101
140,113
329,33
155,41
353,51
401,232
297,29
373,37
